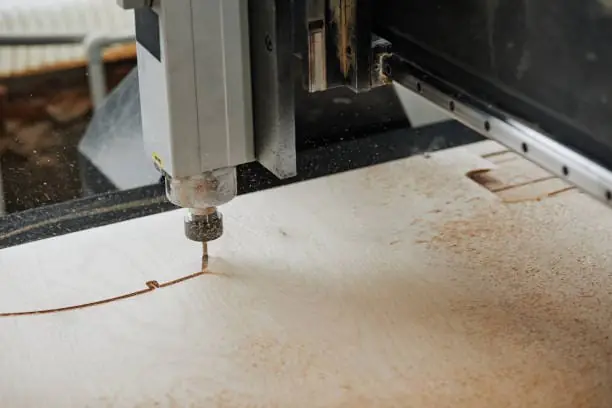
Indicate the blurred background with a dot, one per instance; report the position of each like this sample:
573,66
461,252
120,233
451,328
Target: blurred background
48,50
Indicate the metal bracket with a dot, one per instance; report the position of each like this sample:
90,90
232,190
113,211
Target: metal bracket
340,45
272,59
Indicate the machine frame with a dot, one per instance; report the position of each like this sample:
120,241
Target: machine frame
306,53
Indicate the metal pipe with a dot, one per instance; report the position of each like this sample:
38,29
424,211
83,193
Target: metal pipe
94,46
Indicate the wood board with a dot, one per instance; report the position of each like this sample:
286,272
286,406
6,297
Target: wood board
407,284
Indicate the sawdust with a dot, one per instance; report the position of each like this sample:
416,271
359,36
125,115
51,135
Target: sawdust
541,284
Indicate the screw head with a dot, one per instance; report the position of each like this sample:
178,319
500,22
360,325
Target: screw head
269,44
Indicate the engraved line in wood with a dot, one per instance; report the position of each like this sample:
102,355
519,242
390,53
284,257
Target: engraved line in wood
151,286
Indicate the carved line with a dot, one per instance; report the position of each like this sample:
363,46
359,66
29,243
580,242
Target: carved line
561,191
476,175
540,197
522,184
151,286
495,154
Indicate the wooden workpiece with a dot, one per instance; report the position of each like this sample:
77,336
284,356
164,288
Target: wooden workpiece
424,282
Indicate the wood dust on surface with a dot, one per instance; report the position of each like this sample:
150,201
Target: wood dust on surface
541,290
421,288
531,286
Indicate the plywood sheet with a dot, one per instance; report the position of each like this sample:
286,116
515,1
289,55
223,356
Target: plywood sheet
407,284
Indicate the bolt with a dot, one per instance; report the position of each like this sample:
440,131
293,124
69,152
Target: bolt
269,45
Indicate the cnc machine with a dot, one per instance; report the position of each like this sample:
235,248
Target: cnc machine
405,284
234,96
219,79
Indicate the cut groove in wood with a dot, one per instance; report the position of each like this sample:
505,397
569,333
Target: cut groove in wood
151,286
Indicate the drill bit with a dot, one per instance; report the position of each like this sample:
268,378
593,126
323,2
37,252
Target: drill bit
204,256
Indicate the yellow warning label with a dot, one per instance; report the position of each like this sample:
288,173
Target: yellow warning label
158,161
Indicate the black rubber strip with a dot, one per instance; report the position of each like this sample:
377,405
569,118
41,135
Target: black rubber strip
147,30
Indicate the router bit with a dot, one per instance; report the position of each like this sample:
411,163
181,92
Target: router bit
204,256
204,226
201,195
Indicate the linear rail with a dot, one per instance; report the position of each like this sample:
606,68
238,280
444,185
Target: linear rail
528,142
